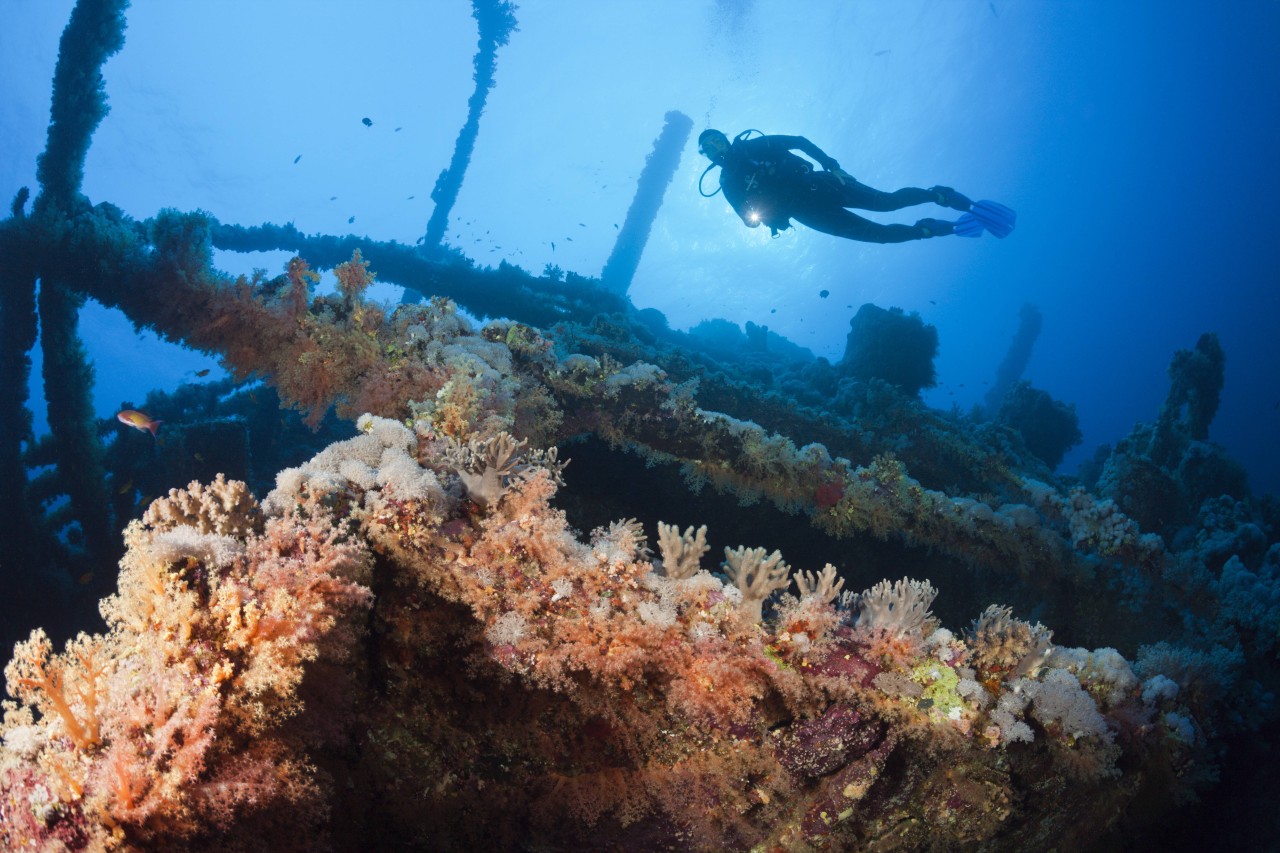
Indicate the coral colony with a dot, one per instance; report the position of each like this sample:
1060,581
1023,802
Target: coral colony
405,644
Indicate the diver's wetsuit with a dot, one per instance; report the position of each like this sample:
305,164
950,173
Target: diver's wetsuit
766,183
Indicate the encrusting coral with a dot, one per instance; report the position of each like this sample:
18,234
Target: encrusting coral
522,687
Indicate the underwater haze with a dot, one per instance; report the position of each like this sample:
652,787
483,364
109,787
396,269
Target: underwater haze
1136,141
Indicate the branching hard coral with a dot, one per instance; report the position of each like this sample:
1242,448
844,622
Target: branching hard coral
824,587
894,618
900,607
757,574
681,552
621,542
486,466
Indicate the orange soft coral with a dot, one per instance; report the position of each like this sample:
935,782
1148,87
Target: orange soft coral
521,687
174,721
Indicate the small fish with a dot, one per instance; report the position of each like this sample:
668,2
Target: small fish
137,420
127,487
202,373
582,225
366,121
553,246
85,579
199,457
570,239
615,225
296,159
931,302
352,219
881,52
333,198
992,6
773,310
398,129
824,293
410,198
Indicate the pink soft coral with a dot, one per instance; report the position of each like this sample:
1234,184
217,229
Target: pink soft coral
174,722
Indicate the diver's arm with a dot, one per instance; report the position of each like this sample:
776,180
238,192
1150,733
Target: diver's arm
813,152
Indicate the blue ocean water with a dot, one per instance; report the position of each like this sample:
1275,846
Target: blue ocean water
1136,141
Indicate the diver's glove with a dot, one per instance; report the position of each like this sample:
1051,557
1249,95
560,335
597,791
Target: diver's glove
935,228
948,197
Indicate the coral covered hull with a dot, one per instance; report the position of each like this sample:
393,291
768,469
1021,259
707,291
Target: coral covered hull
405,666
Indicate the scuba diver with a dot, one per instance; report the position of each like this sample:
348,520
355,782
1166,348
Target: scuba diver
768,185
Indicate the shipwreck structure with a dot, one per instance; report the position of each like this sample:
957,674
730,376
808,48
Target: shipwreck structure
420,628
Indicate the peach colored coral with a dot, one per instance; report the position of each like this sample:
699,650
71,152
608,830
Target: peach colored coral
516,677
174,721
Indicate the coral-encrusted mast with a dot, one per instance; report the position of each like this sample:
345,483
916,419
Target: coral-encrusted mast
522,688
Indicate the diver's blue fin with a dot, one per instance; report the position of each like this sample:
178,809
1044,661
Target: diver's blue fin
967,225
995,217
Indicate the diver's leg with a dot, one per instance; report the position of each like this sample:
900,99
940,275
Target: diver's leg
851,193
855,194
841,223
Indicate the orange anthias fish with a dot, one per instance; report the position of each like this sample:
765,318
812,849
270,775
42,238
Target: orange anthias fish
137,420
